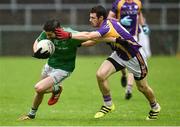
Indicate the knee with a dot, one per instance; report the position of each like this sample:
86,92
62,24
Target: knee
142,87
100,75
38,89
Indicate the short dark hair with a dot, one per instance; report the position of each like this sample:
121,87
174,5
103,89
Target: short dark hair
51,25
100,11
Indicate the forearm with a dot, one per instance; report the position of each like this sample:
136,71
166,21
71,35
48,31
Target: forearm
105,39
35,46
141,19
61,34
99,40
88,43
81,36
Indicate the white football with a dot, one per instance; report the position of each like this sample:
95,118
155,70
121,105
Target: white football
46,45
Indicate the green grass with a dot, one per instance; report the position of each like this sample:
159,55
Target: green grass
81,97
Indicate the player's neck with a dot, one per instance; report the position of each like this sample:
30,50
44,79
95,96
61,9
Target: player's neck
100,24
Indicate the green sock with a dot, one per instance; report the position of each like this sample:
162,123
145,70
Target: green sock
56,89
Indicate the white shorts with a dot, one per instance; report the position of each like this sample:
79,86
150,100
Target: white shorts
135,37
58,75
137,65
144,41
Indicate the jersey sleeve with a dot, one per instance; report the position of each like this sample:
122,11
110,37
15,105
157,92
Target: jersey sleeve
76,43
103,29
114,6
42,36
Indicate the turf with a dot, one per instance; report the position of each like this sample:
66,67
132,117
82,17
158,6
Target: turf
81,97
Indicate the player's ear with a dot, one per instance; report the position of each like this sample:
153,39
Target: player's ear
101,18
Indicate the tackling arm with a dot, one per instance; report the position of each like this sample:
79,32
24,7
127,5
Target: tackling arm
61,34
88,43
86,35
93,37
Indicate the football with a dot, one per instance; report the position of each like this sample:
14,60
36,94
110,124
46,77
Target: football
46,45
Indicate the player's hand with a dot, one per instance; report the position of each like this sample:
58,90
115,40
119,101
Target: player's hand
146,29
40,55
61,34
126,21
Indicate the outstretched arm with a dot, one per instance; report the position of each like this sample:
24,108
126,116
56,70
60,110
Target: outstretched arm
91,38
99,40
61,34
86,35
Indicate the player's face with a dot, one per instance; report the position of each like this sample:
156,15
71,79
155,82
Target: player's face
50,35
94,20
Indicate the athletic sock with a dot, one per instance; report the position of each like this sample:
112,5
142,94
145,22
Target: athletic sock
32,112
129,88
154,105
56,89
107,100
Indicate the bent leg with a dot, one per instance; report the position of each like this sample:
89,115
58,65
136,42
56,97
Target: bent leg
129,86
40,89
143,87
149,94
123,78
105,70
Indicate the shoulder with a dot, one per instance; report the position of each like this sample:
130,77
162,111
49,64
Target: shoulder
105,27
42,36
116,2
105,24
43,33
139,3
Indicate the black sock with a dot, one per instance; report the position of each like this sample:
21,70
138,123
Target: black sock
32,112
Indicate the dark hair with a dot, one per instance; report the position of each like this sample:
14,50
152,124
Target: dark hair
100,11
51,25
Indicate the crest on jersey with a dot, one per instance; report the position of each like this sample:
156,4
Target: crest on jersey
106,26
136,6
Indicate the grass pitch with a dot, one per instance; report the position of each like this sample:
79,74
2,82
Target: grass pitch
81,98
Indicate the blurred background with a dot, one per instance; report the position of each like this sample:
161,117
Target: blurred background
21,22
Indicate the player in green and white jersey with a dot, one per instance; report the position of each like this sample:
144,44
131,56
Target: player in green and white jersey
65,51
59,66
